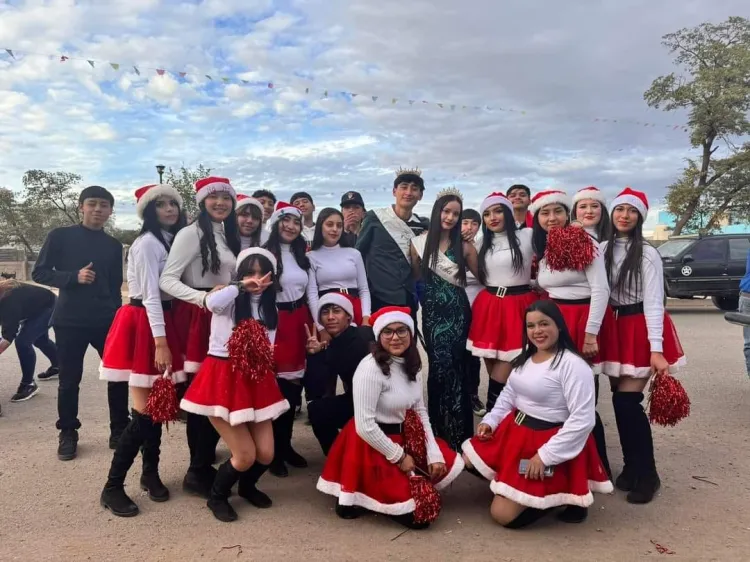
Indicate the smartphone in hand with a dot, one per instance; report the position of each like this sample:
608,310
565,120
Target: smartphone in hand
523,468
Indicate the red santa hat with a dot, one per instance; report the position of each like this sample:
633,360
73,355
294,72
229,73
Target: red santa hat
208,186
283,209
632,197
391,315
493,199
549,197
589,192
338,299
244,200
144,195
247,252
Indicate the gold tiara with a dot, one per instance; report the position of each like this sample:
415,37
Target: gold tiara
450,191
413,171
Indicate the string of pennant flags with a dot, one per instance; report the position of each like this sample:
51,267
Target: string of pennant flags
138,69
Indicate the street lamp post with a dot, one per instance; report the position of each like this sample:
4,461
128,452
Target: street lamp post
160,171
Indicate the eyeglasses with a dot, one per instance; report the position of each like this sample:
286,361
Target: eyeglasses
401,333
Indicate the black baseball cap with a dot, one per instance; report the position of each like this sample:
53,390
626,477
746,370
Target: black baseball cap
301,195
352,198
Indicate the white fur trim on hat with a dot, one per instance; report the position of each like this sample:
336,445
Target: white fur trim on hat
208,186
493,199
550,197
392,317
339,300
244,254
152,193
589,193
243,201
282,210
632,197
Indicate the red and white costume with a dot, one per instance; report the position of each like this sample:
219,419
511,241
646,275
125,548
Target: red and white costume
362,466
643,325
129,350
184,279
560,396
337,269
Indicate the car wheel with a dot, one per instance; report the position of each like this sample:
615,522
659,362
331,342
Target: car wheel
726,304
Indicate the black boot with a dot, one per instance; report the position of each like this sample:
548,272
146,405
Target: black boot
493,391
293,458
200,476
281,443
150,481
348,511
248,486
407,520
527,517
218,501
113,496
601,444
573,514
621,401
647,481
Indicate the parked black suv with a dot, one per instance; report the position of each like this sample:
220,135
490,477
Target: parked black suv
709,266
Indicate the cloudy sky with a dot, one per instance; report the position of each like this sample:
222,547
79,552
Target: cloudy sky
561,67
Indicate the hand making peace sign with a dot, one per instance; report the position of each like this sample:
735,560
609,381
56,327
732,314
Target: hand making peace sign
314,345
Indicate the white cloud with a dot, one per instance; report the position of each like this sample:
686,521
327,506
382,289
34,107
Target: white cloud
100,132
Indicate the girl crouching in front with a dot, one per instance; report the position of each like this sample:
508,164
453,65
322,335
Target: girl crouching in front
240,407
371,461
536,445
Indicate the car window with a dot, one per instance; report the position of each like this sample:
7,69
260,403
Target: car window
738,248
673,247
710,249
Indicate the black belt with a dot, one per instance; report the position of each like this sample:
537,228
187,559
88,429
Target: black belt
628,309
352,292
514,290
204,289
573,301
217,357
165,305
535,423
291,306
390,428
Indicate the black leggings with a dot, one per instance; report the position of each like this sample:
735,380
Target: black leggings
283,426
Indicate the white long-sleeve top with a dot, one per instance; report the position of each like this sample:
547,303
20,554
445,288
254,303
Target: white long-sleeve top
499,260
308,233
246,241
573,285
564,394
652,276
336,268
183,272
385,399
591,231
293,278
221,304
146,260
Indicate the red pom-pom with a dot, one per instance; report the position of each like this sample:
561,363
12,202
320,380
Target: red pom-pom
250,350
569,248
162,401
415,441
668,401
427,500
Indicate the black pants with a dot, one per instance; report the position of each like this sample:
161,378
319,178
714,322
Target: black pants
318,381
474,368
34,332
328,416
202,440
283,426
72,343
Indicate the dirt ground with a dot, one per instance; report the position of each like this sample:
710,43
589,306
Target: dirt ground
50,509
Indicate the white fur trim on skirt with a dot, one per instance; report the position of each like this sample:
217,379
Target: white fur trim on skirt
248,415
553,500
495,354
646,372
476,461
137,380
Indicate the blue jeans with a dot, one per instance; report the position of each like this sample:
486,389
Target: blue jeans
745,309
34,332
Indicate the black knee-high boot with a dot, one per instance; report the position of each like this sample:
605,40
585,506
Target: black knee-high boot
625,481
493,391
527,517
218,502
151,449
202,439
601,444
113,496
248,486
281,438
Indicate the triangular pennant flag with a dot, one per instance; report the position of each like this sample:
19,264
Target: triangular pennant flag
245,81
114,65
374,98
207,76
160,71
411,102
453,108
225,79
182,74
354,95
10,53
270,85
394,100
425,101
325,94
307,90
440,105
523,113
138,72
91,63
63,58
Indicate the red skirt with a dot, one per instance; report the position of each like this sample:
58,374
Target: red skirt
291,339
129,350
572,482
576,317
193,328
219,391
497,325
635,349
358,475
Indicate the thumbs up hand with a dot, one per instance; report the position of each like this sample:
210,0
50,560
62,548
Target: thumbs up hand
87,275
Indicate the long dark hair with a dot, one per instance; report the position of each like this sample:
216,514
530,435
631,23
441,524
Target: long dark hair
208,241
515,247
298,248
257,214
412,360
564,341
630,272
269,316
432,244
603,229
539,235
323,216
151,224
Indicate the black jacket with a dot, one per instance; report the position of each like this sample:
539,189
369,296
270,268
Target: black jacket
21,303
346,351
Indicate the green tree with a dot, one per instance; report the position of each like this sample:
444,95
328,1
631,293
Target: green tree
183,180
715,89
57,190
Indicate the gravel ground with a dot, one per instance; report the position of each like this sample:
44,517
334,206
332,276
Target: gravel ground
50,509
